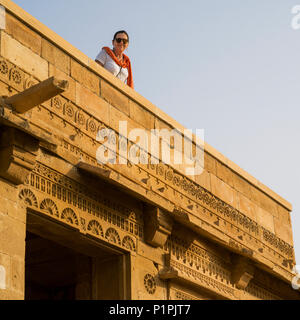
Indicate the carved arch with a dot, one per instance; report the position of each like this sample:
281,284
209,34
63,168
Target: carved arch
95,228
28,197
70,216
50,207
128,243
112,236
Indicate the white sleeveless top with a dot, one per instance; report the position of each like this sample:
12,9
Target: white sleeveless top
110,65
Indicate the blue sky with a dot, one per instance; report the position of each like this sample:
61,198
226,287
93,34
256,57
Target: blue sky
228,67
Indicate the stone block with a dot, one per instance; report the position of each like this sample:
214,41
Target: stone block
262,200
18,273
265,219
141,115
114,97
71,92
8,191
23,34
283,231
210,163
222,190
115,115
23,57
224,173
12,209
246,206
92,103
283,215
5,272
241,185
268,204
85,77
145,281
55,56
203,180
12,236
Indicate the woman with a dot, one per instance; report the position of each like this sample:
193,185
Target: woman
115,60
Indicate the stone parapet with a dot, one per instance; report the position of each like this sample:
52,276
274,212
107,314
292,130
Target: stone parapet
50,139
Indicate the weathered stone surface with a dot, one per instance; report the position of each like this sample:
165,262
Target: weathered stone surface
114,97
85,77
68,204
89,100
23,57
265,219
12,236
141,116
222,190
23,34
55,56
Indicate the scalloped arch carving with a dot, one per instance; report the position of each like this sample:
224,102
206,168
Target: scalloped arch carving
95,228
28,197
128,243
112,236
70,216
49,206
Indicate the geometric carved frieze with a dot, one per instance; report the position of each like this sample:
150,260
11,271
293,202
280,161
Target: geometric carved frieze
98,229
18,152
255,292
89,202
65,200
176,271
198,258
158,226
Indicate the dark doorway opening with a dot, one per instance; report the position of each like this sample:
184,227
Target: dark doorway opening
63,264
55,272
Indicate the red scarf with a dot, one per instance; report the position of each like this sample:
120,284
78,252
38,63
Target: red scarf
124,64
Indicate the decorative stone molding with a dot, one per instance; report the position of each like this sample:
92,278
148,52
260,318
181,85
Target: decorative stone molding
158,226
176,271
18,152
242,273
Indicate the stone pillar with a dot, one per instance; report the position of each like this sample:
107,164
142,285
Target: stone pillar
18,152
12,243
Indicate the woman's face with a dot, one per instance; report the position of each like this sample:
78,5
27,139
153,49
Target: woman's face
120,46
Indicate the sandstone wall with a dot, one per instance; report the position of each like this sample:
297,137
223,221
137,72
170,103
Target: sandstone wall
224,203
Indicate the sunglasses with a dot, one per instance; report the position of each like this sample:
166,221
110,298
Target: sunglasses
120,39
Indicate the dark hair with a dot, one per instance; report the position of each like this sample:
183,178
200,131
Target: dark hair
121,31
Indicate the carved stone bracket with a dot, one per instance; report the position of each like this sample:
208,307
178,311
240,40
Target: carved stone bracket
242,273
18,152
158,226
37,94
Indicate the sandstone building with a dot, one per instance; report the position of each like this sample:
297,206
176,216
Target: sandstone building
72,228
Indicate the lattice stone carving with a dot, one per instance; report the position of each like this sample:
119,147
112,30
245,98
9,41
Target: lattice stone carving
150,283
